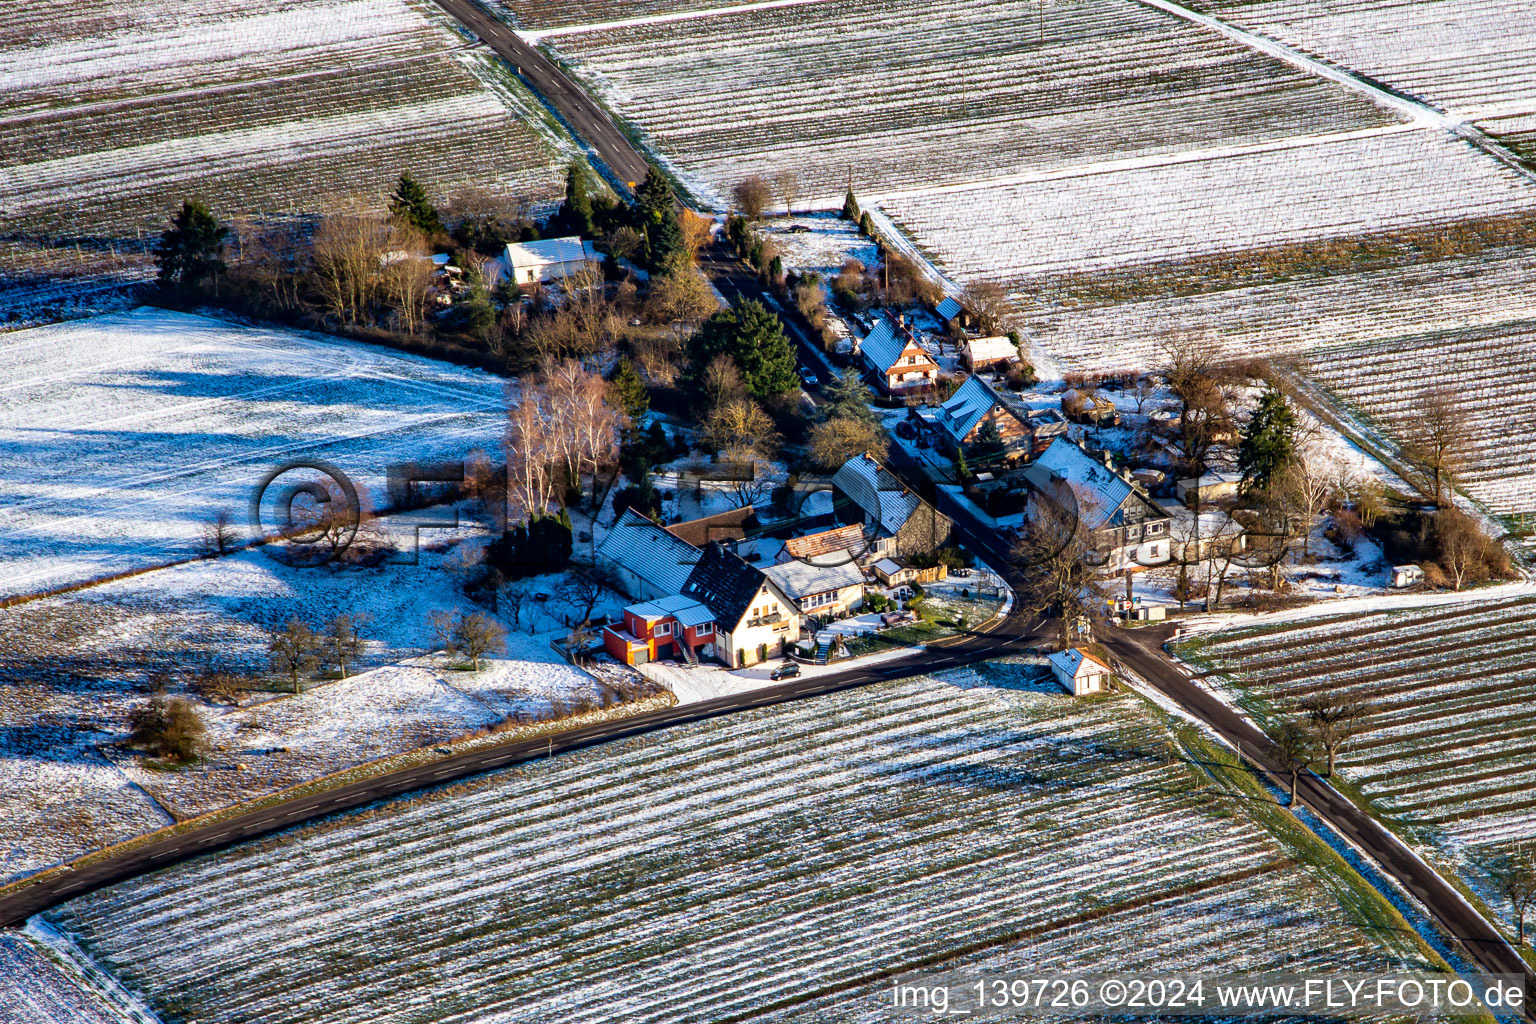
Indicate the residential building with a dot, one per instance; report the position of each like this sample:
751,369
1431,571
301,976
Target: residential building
753,618
826,591
987,353
976,404
669,627
1079,672
730,525
548,260
898,363
837,546
903,524
646,560
1130,529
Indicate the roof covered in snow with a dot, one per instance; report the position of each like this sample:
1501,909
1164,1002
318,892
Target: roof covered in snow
884,344
802,579
570,249
1100,491
1069,661
966,407
991,350
885,500
644,548
684,609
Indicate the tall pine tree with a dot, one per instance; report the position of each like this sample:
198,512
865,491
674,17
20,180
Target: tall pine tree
665,251
851,209
654,196
410,201
755,339
1269,439
190,251
576,213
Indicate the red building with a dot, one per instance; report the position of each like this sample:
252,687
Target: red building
668,627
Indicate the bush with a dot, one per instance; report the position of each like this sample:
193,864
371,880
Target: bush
169,727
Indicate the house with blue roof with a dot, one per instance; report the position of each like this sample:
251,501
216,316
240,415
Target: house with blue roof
893,357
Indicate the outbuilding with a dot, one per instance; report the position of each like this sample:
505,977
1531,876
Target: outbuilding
1079,672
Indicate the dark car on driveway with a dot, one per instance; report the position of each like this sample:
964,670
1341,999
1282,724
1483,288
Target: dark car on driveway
788,670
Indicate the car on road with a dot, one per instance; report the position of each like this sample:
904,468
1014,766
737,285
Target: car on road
808,378
788,670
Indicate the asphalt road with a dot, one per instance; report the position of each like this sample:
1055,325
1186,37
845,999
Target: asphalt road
581,114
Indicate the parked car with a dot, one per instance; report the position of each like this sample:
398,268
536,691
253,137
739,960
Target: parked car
905,430
808,378
788,670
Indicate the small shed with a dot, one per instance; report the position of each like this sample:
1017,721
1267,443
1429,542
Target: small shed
1086,407
1213,486
892,573
1407,575
984,353
1079,672
952,313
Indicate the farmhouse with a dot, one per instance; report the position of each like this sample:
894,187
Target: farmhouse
822,590
1128,526
1079,672
904,525
898,363
753,618
986,353
551,259
670,627
648,562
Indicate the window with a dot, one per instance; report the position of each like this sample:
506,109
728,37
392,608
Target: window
704,629
664,629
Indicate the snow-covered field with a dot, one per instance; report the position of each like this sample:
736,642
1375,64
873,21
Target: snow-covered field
107,123
993,88
1470,58
120,436
36,988
771,861
1296,191
1451,748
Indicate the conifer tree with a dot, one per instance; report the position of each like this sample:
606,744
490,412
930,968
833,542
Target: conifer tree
189,251
410,201
1269,439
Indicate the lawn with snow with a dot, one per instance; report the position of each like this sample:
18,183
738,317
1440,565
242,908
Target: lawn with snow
106,124
1449,752
772,862
822,89
120,436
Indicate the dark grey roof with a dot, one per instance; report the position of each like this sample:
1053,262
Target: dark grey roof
725,583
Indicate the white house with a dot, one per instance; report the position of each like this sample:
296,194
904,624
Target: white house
1129,527
550,259
648,562
821,590
754,619
897,361
1079,672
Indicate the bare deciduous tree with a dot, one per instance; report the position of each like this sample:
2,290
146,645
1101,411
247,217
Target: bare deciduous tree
1294,751
1435,440
752,195
515,597
1334,719
476,635
1514,876
1059,561
219,533
342,641
291,650
987,301
788,184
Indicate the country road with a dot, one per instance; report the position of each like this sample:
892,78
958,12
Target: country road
581,114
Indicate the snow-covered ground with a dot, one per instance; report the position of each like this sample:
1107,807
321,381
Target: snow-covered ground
734,862
120,436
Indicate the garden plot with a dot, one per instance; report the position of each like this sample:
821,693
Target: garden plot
1450,752
819,244
769,861
820,89
120,436
300,107
1471,58
1307,190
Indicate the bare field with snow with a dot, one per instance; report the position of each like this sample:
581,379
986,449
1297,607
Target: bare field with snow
1470,58
1450,751
120,436
819,89
769,861
299,107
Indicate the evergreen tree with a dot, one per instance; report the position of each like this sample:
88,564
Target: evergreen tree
410,201
665,252
627,391
849,396
655,196
190,250
867,224
851,207
1269,439
988,446
755,339
576,213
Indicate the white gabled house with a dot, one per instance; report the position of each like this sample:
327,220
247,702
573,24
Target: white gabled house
753,618
1079,672
820,590
898,363
1129,528
551,259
